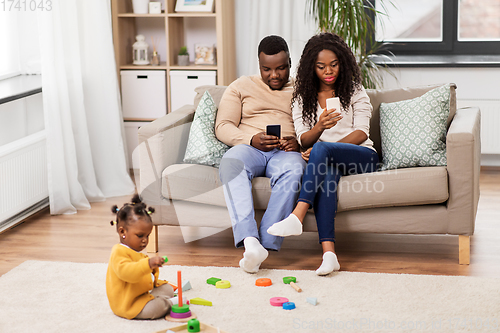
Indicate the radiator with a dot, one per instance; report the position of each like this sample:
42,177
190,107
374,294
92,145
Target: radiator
490,123
23,176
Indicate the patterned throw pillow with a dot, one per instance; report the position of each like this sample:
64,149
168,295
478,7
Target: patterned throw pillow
413,132
203,147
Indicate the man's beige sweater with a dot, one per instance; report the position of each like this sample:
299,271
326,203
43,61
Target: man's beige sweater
248,105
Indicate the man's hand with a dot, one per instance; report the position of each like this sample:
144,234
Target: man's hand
289,143
265,142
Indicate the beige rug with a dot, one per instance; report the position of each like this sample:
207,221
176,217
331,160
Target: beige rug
70,297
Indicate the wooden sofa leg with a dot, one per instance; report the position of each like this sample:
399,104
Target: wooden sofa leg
463,250
152,246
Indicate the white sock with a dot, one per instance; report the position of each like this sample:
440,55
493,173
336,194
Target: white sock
329,264
291,226
254,255
174,300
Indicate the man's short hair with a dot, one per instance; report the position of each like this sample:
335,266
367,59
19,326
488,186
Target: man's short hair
273,44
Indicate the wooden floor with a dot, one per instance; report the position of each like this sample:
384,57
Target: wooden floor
88,237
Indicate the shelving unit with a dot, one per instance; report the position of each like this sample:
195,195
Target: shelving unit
173,28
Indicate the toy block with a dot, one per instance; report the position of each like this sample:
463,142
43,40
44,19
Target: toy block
312,300
223,284
278,301
213,280
289,306
186,285
263,282
193,325
200,301
296,287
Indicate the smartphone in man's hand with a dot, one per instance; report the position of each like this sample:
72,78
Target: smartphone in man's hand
274,130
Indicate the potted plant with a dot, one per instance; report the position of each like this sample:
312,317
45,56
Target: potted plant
353,21
183,57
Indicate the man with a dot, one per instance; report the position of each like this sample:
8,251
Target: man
248,105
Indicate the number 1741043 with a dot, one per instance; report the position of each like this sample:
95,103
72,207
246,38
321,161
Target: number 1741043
25,5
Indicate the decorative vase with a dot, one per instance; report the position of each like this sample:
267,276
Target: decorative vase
155,60
140,6
183,60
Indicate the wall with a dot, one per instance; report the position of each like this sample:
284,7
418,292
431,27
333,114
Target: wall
475,87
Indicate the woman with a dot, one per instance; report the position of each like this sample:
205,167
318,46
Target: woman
339,138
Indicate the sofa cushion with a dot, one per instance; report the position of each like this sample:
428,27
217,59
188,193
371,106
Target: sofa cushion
215,91
201,184
413,132
203,147
377,96
402,187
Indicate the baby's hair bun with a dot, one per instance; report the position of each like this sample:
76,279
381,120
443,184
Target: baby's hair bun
136,199
112,223
151,210
114,209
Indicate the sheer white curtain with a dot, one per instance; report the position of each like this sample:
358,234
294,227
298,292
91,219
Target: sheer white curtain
9,41
86,155
259,18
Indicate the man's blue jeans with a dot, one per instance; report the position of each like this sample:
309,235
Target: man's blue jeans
328,162
238,167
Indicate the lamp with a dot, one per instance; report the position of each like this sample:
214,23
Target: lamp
140,51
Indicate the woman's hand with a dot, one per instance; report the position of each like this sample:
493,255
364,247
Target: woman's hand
305,154
156,262
328,119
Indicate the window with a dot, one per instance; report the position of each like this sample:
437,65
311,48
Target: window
439,27
9,41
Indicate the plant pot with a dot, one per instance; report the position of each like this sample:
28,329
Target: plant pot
183,60
140,6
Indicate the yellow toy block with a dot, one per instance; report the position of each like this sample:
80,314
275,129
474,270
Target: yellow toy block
200,301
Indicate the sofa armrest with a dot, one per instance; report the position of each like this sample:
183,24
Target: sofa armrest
463,150
162,143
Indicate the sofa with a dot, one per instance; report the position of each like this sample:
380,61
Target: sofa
433,200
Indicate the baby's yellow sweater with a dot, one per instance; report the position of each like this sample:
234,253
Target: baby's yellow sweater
128,281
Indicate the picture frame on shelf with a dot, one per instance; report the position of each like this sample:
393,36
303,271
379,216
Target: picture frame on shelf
204,55
206,6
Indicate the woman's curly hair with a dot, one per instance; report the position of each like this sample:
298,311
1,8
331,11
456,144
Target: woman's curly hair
307,83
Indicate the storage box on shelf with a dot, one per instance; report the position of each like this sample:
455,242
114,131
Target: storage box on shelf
143,94
183,84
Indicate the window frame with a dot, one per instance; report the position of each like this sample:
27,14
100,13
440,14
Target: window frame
450,45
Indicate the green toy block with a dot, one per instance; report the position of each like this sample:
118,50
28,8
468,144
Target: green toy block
166,259
180,309
200,301
213,280
193,325
288,279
